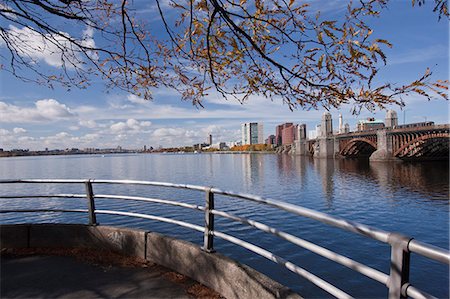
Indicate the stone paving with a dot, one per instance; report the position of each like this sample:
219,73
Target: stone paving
55,276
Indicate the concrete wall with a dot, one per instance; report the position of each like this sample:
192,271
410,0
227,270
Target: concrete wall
225,276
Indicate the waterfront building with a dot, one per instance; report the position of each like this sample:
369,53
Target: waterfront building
327,125
370,124
210,140
233,144
278,133
270,140
285,134
391,119
252,133
220,146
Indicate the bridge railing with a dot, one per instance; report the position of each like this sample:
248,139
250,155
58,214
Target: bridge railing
397,281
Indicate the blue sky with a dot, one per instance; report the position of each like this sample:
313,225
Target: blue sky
36,117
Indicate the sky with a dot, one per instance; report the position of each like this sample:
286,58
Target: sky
35,117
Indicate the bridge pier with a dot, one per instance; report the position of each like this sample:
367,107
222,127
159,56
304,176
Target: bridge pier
300,147
384,150
325,147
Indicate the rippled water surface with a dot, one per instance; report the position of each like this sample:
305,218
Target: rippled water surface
409,198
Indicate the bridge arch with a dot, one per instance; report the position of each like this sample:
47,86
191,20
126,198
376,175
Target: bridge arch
358,147
435,145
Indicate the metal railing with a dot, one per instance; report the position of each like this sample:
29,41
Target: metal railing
397,281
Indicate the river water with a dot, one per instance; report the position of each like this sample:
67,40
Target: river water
409,198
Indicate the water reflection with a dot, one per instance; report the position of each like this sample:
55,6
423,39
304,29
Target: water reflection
326,169
252,170
428,178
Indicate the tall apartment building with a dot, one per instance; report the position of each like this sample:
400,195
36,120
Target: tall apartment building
288,134
252,133
285,134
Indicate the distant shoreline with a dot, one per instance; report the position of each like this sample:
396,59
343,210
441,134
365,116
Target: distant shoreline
7,154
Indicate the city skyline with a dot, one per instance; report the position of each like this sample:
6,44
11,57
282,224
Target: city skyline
35,117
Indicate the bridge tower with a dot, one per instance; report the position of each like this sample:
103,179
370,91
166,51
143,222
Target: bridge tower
325,143
346,128
391,119
300,145
327,125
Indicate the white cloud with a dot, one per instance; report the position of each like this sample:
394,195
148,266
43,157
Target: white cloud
47,48
4,132
131,125
9,15
44,110
136,100
169,132
88,123
19,130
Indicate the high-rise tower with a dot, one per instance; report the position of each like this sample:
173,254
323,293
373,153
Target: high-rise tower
252,133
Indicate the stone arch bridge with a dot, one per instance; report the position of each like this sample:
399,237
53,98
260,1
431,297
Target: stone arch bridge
406,143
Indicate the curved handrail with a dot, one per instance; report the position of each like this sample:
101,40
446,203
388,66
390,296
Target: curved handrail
396,281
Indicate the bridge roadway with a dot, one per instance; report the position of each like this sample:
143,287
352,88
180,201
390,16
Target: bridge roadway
404,143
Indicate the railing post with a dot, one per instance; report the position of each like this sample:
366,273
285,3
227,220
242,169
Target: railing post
91,203
400,258
208,238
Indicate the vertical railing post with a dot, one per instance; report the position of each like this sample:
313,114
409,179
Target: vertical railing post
208,238
91,203
400,259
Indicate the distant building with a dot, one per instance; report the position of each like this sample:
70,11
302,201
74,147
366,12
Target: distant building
270,140
327,125
278,132
210,140
285,134
233,143
288,134
391,119
252,133
370,124
199,146
318,131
